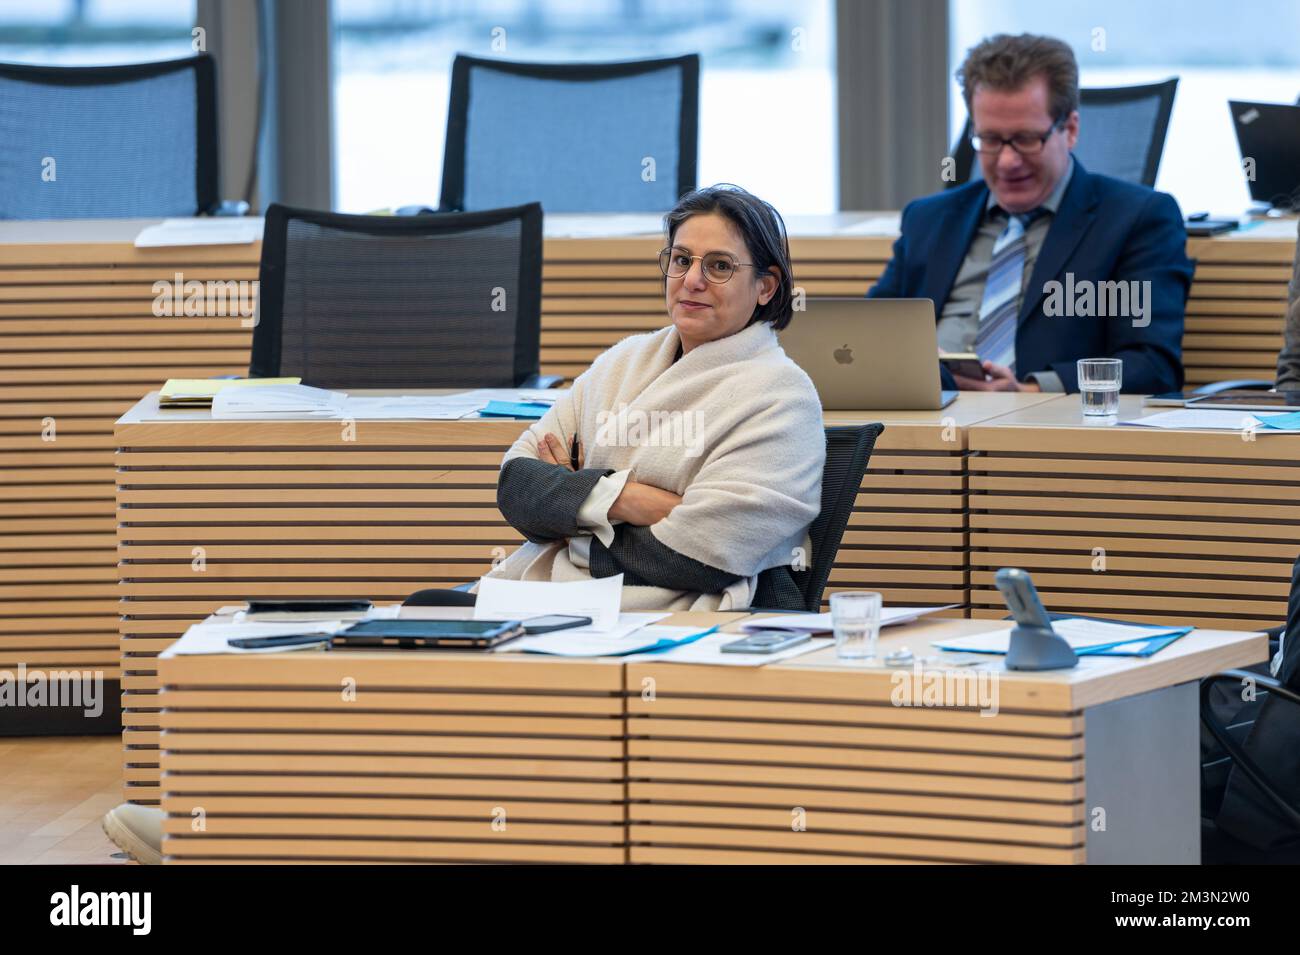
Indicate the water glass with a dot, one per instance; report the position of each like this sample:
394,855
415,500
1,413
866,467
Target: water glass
1099,384
855,618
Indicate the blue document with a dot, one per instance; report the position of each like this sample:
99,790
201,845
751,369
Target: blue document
514,409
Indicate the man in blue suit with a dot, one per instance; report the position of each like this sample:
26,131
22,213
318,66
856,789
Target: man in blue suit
1043,263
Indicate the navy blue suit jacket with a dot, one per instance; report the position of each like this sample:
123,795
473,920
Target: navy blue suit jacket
1105,230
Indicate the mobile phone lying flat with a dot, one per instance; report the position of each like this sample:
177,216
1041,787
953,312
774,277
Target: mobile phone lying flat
288,640
553,622
308,606
766,641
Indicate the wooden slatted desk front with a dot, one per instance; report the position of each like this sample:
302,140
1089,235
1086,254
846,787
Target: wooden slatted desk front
215,512
420,757
1193,527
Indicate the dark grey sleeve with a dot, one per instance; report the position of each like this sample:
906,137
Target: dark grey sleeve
542,500
646,562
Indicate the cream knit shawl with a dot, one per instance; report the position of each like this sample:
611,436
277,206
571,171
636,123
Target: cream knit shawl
734,426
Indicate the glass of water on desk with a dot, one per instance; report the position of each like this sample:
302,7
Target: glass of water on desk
1099,384
855,618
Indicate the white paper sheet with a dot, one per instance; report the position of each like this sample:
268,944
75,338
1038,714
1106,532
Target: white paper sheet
633,632
209,638
277,401
1209,419
821,622
706,650
598,598
219,230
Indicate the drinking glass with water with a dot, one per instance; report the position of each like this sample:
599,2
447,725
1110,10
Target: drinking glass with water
855,618
1099,384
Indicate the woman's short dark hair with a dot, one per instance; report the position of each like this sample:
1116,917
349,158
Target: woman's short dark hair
763,230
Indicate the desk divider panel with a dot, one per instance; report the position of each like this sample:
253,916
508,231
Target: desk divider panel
789,765
1185,527
1237,307
80,341
362,757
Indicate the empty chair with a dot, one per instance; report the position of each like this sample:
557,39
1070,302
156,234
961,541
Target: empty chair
1121,133
435,301
137,141
577,137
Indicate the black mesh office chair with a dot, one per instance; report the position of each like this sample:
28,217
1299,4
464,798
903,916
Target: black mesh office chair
577,137
848,452
136,141
1121,133
441,301
1250,755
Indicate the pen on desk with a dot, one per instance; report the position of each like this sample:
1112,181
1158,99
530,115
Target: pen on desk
573,453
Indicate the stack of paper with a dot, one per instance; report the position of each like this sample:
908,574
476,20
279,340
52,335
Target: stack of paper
199,392
277,401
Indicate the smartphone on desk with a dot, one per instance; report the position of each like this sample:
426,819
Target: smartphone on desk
964,365
766,641
553,622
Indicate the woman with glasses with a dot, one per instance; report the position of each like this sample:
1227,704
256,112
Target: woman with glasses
689,460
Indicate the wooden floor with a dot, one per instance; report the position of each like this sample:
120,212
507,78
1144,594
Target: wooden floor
53,791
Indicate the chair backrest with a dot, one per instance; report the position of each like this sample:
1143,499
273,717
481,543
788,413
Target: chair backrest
848,451
577,137
1122,133
137,141
431,301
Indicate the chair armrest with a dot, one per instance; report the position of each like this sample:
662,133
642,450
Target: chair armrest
229,207
1248,384
542,381
1235,750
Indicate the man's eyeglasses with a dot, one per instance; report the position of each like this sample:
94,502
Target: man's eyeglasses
1026,144
718,267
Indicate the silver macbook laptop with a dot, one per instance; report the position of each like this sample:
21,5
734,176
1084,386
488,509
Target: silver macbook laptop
868,354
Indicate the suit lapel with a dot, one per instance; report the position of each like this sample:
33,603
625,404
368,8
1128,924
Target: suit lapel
956,232
1069,225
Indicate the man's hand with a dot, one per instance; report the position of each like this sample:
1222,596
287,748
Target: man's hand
552,450
643,504
997,378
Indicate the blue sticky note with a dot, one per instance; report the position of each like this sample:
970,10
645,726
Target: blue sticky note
514,409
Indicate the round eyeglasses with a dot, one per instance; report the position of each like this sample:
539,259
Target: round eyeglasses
718,267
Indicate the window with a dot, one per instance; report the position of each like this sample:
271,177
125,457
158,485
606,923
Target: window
96,32
1219,51
767,104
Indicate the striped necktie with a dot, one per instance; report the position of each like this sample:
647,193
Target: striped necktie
995,340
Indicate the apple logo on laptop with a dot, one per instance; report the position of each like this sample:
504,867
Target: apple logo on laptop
844,355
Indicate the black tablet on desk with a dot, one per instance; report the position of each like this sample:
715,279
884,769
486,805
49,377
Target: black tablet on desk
427,634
